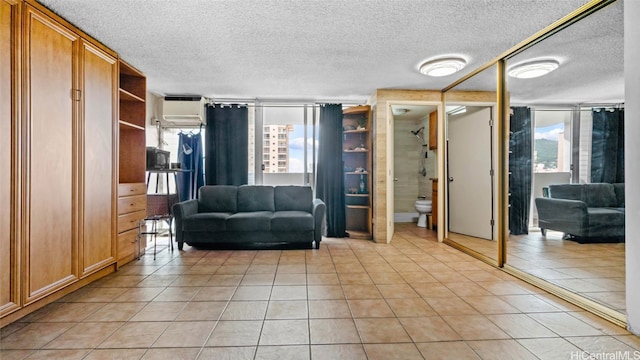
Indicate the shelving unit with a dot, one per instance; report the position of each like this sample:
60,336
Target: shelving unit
357,160
132,199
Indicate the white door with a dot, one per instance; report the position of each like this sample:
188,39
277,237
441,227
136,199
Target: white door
469,166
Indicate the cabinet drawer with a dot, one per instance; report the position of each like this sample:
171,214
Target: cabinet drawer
128,189
127,245
130,221
129,204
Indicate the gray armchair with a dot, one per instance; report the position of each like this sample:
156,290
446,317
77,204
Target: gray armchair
587,212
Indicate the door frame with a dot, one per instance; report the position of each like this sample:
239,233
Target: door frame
390,153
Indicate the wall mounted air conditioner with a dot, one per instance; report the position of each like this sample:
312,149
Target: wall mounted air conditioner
179,111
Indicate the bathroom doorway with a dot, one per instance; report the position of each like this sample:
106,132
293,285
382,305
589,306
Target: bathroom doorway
414,165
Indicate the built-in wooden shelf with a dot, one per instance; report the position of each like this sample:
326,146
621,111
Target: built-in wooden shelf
127,96
357,154
132,162
125,125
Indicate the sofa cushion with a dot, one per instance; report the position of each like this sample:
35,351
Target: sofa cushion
618,188
599,195
255,198
217,198
209,221
250,221
293,198
602,219
292,221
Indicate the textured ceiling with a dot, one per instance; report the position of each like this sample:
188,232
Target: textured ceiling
307,49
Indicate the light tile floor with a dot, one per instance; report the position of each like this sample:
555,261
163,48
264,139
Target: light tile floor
352,299
595,271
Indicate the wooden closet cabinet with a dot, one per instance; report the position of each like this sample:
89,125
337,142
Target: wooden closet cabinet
99,76
58,157
50,239
9,112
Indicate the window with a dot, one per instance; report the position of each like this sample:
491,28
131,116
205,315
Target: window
293,137
552,141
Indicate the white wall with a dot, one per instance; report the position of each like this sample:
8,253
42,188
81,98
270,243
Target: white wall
152,101
632,165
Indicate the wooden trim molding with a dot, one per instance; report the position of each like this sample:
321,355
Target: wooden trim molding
10,80
69,26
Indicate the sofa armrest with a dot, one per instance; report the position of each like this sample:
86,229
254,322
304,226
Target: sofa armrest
318,212
568,216
180,211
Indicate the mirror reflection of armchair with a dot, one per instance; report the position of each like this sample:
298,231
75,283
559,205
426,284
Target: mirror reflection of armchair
587,212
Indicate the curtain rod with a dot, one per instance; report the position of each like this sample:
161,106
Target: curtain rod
560,107
309,106
279,103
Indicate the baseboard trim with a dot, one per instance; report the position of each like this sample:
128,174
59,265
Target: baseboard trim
405,217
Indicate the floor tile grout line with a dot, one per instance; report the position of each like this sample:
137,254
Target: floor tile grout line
405,253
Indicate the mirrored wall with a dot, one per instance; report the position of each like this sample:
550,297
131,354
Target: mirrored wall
560,201
471,187
566,217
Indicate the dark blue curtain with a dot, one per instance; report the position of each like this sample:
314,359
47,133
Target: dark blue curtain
190,158
607,147
227,140
520,156
330,176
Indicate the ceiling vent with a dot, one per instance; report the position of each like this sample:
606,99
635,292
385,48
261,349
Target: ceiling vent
180,111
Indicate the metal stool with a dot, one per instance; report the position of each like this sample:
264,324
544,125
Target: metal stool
154,231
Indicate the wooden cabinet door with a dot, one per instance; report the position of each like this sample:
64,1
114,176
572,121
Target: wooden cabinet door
98,75
433,130
50,236
9,279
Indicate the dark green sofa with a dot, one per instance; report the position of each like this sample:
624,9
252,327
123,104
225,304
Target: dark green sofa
586,212
250,216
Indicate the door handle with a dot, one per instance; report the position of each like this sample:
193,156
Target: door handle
450,179
395,179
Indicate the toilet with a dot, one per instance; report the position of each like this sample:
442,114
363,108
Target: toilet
424,207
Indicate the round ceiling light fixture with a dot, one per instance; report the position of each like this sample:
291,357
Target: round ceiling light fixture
443,66
399,111
533,69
